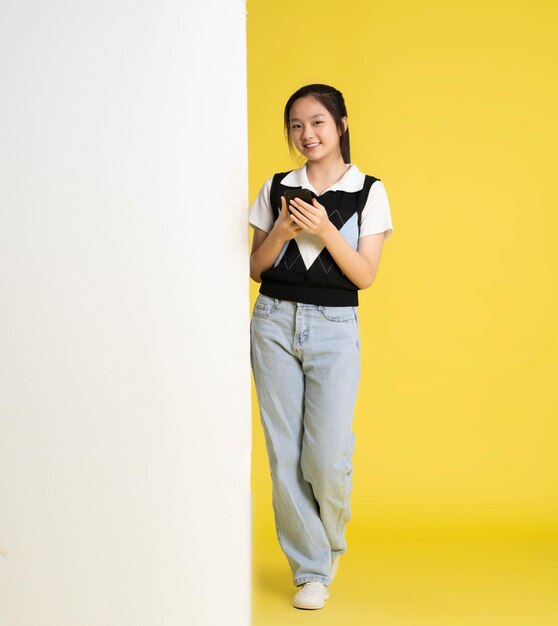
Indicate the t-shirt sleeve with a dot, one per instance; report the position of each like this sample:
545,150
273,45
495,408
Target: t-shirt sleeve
260,213
376,215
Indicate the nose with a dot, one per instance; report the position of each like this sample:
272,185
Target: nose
307,133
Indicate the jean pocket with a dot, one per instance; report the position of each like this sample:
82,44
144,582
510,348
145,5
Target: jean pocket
264,307
339,313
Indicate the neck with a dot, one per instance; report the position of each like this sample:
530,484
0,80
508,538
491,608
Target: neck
322,170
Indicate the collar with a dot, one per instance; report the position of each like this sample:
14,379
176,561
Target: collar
351,181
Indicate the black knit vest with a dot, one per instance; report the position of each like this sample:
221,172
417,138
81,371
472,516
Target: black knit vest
323,283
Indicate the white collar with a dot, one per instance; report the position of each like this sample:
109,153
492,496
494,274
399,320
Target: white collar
351,181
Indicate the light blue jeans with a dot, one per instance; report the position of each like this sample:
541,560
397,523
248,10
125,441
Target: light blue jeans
306,364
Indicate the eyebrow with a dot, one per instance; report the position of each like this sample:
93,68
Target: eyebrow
295,119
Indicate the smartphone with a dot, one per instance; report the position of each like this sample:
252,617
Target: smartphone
303,194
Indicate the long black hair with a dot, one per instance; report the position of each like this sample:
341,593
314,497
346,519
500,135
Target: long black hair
332,99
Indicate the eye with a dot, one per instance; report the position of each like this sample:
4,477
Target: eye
318,122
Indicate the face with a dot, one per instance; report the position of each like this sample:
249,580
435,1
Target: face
313,130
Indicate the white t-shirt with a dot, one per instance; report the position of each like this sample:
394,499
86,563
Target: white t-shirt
376,215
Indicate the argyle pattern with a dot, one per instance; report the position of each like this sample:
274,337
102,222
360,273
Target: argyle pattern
304,268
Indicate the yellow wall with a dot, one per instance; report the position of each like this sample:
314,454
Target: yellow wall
453,105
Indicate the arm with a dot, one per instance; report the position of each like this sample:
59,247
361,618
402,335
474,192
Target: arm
265,249
266,246
361,265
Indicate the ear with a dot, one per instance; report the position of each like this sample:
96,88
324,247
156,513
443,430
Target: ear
345,123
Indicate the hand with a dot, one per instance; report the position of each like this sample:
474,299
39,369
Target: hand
284,227
312,218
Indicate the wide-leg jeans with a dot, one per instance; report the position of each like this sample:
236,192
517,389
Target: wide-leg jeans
306,364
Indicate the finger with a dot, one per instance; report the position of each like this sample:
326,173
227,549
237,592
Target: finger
304,206
305,218
299,220
317,204
301,211
296,228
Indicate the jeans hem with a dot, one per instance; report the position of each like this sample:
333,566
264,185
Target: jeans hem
307,579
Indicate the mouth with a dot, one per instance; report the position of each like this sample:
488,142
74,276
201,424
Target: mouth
311,146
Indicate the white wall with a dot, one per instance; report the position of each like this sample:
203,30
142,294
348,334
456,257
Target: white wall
124,345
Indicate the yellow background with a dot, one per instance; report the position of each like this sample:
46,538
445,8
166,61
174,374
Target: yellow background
455,486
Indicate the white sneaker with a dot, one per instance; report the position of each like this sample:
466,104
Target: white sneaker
334,565
312,596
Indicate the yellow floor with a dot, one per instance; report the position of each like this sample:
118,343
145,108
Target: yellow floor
442,576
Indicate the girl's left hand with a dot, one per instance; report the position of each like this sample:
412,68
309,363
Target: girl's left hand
310,217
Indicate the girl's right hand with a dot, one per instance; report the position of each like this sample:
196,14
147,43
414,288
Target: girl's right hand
285,227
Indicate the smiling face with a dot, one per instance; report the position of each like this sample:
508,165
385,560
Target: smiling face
313,130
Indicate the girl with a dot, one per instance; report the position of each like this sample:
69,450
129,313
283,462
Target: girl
311,259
